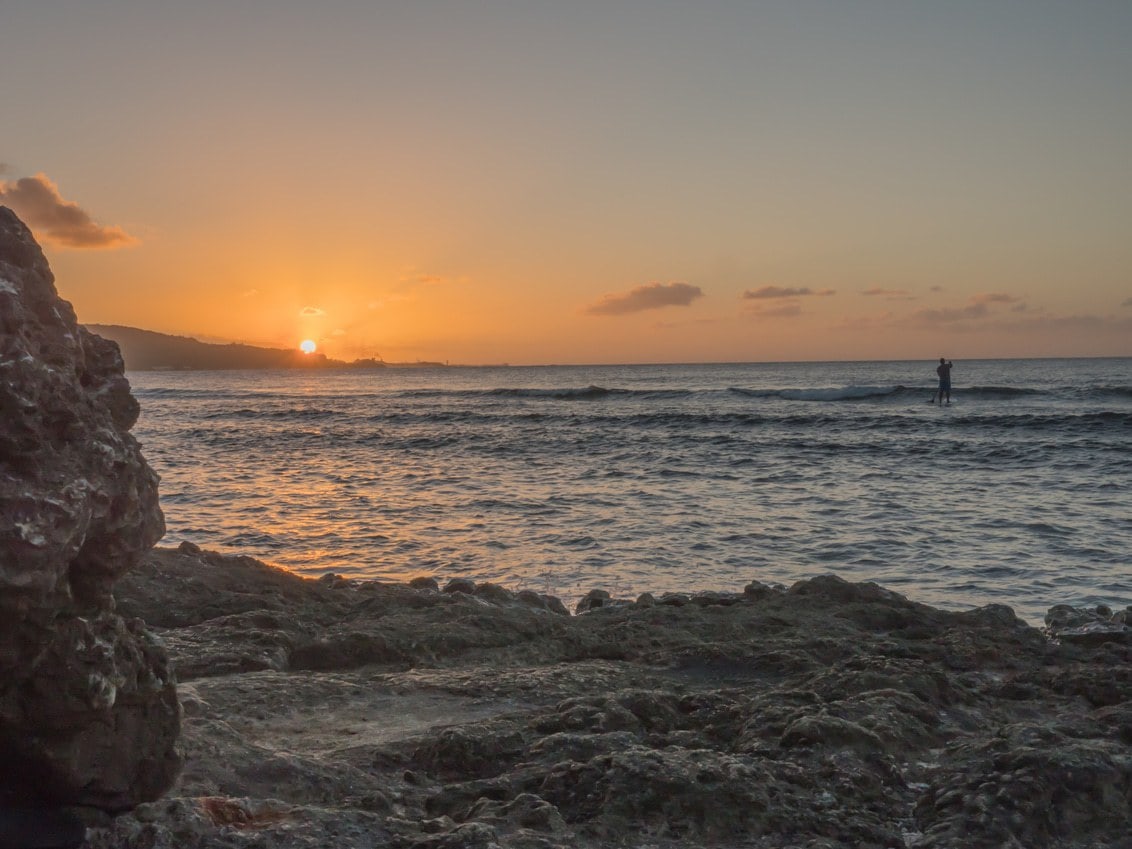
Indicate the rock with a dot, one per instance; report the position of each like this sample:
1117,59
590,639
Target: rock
460,585
88,707
1030,785
542,601
592,600
40,828
832,715
1087,627
830,731
757,590
493,593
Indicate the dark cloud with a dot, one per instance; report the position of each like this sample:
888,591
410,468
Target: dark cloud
649,297
878,291
769,292
1127,302
38,202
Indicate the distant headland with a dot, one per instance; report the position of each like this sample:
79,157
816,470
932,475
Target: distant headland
146,350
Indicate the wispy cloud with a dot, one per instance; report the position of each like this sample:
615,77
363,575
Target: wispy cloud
994,298
413,278
38,202
676,325
950,315
1064,323
423,279
978,306
310,312
869,323
891,294
771,292
649,297
788,309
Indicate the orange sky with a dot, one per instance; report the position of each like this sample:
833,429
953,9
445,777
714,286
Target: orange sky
627,181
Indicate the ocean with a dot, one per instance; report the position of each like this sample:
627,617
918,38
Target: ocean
664,478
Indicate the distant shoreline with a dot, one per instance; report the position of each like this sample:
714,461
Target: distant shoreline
147,350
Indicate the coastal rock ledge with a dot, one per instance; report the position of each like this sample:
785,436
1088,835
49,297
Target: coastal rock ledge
446,714
88,705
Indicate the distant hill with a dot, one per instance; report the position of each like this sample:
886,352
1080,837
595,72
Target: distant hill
144,350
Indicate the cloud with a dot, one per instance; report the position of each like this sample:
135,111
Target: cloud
891,294
950,315
994,298
1127,302
1054,324
767,292
677,325
310,312
786,310
870,323
977,307
38,202
648,297
412,278
423,279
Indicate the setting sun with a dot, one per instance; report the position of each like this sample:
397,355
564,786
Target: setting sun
307,346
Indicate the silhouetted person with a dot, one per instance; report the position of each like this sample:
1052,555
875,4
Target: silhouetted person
944,372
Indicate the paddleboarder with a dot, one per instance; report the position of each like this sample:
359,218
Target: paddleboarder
944,372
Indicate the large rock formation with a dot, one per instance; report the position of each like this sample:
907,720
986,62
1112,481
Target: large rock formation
88,706
355,714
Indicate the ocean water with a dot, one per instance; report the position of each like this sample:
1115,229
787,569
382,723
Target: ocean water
664,477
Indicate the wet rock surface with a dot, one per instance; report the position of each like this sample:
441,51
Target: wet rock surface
347,713
88,706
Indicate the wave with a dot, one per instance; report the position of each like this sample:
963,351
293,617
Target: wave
553,393
565,394
833,393
1121,392
169,392
996,393
288,414
1072,422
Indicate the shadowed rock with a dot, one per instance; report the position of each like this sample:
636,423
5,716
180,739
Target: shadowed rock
88,708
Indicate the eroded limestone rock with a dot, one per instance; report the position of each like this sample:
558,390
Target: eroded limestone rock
88,706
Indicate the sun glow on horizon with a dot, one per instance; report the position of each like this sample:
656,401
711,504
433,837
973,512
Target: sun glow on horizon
307,346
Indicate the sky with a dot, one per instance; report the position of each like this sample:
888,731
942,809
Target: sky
531,181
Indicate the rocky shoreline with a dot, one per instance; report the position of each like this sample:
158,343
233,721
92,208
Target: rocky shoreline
350,713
